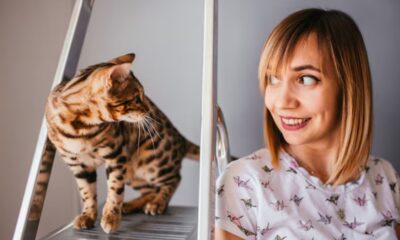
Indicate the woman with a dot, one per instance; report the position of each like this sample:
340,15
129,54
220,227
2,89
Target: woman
316,180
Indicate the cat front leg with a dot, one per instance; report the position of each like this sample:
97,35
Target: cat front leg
112,211
86,179
159,203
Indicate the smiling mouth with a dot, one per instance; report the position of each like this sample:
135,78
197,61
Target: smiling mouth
291,123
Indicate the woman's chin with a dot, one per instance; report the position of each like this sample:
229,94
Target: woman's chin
295,140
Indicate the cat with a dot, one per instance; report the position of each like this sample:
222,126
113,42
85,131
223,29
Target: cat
102,116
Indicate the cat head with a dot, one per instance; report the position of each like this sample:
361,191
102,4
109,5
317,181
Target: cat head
123,92
109,91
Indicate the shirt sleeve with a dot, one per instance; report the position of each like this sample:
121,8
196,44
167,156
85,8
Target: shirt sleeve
397,195
236,202
393,181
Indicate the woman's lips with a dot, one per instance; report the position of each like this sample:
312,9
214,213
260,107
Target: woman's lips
292,123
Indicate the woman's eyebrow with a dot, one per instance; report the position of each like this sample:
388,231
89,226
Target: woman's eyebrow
306,67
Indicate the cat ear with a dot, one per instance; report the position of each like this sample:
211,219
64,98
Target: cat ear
117,74
127,58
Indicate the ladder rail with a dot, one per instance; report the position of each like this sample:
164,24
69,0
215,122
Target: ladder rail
30,211
223,155
208,123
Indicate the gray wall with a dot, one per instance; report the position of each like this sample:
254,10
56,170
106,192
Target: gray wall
167,39
32,33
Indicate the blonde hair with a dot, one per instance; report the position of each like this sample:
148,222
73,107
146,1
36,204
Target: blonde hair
341,42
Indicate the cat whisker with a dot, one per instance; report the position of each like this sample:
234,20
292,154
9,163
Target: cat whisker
156,132
151,136
151,129
155,117
152,119
149,120
150,126
138,140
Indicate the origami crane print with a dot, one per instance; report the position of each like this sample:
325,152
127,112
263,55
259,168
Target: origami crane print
361,201
242,183
324,218
306,226
353,225
296,199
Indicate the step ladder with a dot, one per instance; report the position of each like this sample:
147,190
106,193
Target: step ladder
177,222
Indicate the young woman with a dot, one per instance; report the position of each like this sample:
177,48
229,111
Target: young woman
316,180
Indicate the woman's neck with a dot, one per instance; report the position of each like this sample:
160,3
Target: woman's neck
317,160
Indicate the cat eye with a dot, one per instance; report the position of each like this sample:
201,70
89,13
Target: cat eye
120,104
137,99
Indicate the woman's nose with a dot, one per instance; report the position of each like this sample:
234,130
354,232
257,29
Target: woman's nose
286,97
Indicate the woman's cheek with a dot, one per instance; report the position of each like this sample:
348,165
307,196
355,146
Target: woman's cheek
268,99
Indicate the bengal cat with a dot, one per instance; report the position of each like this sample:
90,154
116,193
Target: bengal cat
102,116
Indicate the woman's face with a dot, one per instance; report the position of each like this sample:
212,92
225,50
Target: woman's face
303,97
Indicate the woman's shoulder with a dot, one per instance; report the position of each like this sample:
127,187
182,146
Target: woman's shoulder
382,175
384,182
252,160
249,164
383,167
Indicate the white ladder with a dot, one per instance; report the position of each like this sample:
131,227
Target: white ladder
213,137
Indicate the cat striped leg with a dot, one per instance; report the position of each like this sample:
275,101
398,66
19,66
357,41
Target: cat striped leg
86,179
155,195
115,171
165,190
148,192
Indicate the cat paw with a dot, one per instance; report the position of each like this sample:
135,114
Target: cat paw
155,208
110,220
127,208
130,207
84,221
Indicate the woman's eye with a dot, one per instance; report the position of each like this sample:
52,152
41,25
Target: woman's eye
308,80
273,80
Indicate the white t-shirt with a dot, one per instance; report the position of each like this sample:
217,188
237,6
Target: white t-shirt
255,201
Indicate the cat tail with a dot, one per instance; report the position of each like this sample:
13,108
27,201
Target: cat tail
193,150
43,180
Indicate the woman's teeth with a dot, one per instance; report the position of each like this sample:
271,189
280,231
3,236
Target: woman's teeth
291,121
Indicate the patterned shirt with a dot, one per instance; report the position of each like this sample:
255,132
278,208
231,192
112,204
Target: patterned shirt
256,201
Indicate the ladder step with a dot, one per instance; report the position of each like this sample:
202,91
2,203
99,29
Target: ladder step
178,223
